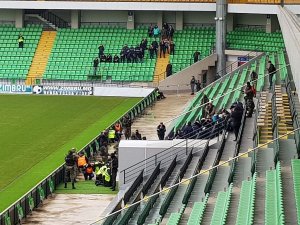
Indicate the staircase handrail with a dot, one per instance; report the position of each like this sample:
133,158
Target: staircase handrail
58,21
196,175
275,125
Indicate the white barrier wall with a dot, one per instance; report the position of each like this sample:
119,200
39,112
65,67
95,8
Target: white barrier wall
134,151
122,91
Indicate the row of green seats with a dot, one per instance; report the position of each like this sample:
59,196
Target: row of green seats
175,217
246,206
197,212
296,179
221,208
274,212
261,74
282,65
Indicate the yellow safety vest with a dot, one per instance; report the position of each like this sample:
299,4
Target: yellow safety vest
100,171
111,134
106,174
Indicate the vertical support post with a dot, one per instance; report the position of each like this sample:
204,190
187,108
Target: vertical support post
75,19
221,17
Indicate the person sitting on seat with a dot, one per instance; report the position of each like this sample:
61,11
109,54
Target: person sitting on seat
116,59
109,58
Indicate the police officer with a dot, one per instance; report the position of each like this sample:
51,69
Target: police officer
114,170
70,161
21,40
112,135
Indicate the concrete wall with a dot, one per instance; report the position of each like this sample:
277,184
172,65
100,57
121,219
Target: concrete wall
181,80
250,19
7,15
134,151
141,17
199,17
291,34
104,16
64,14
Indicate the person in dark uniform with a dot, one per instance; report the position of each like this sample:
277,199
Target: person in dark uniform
161,130
127,125
70,161
162,49
101,50
172,48
114,170
196,56
235,118
96,64
271,71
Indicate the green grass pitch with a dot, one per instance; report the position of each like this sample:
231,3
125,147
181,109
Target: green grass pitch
37,131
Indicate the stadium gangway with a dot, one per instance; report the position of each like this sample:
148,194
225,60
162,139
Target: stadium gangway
196,175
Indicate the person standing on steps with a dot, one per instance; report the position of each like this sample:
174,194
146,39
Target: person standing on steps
161,130
70,161
114,170
193,83
96,64
271,71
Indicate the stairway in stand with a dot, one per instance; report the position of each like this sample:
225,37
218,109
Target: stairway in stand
160,68
40,59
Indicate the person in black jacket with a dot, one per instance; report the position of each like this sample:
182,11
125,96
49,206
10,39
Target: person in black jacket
271,70
70,161
235,119
96,64
161,130
196,56
114,170
101,50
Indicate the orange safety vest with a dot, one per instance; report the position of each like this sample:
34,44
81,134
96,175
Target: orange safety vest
89,170
118,127
81,161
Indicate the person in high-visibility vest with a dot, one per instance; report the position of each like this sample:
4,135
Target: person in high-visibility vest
106,175
88,172
82,160
99,168
21,40
112,135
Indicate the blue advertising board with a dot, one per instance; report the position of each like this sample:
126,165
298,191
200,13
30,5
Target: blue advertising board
15,89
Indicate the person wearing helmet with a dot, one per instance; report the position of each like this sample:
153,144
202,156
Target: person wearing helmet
70,163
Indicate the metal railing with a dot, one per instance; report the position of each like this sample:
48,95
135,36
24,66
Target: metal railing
180,149
35,196
185,181
275,120
54,19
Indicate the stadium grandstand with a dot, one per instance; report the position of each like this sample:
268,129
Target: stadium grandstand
154,112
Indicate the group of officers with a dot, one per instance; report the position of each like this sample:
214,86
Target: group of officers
105,172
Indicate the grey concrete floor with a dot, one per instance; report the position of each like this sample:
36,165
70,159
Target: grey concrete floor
67,209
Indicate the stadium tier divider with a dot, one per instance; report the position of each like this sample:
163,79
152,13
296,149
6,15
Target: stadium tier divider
35,196
294,114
